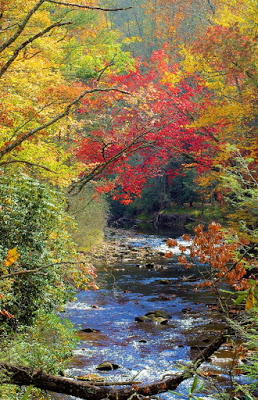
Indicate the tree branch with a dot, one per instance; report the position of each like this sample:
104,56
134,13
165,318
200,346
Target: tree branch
9,147
92,390
28,163
101,167
35,270
87,7
30,40
21,27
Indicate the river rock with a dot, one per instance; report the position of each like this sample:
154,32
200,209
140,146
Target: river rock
150,265
141,319
158,316
158,313
186,310
89,330
157,320
107,366
164,281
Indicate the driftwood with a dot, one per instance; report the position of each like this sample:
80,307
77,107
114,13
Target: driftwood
23,376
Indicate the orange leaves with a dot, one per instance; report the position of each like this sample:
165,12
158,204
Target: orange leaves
186,237
169,254
219,249
198,229
12,256
182,260
6,314
182,248
171,242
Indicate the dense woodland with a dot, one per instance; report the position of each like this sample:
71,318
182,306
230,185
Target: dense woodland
119,101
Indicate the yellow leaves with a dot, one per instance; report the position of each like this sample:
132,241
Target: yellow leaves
240,12
189,60
132,39
172,78
12,256
250,301
231,113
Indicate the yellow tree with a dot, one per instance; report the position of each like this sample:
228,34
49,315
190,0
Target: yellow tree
38,96
225,58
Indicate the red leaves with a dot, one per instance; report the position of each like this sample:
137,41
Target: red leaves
137,135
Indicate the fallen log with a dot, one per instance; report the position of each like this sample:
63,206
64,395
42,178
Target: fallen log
24,376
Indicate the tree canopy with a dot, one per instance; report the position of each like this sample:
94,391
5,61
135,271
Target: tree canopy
103,99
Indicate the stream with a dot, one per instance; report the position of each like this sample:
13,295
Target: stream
131,288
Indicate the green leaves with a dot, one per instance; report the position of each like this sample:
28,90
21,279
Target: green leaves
192,391
33,231
27,393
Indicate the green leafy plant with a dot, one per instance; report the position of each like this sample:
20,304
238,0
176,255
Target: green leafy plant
193,390
34,246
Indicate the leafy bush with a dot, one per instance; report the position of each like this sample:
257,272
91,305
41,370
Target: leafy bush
47,344
33,226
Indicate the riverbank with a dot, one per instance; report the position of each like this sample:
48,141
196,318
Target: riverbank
178,218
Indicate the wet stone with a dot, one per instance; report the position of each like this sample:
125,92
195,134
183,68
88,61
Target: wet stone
186,310
149,266
107,366
164,281
198,347
143,341
158,313
158,316
89,330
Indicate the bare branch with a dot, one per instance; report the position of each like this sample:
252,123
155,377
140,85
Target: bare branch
87,7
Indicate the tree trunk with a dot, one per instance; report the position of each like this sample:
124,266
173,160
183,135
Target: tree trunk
95,391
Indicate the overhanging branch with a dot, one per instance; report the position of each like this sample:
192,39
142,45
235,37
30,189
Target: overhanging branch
15,143
27,42
30,164
87,7
21,26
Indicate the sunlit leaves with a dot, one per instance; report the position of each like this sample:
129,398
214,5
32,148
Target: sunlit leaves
138,134
12,256
39,262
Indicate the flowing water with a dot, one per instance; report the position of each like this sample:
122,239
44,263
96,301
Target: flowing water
146,349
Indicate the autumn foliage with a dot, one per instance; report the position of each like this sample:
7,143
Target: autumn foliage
226,256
